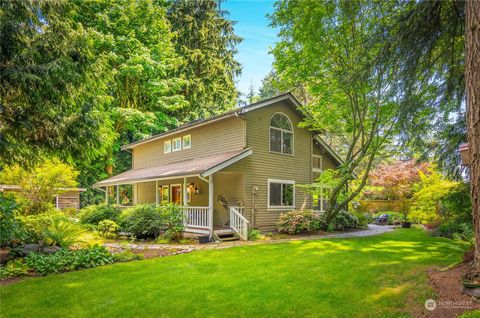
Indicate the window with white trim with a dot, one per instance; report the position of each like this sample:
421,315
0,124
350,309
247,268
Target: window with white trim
281,134
167,146
320,199
187,141
177,144
281,193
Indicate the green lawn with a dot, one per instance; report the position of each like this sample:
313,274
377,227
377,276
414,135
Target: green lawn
362,277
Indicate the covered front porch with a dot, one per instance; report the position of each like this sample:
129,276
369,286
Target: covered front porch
212,196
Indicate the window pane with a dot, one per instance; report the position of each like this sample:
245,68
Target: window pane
177,144
275,194
187,141
317,162
167,146
275,140
287,194
316,175
287,142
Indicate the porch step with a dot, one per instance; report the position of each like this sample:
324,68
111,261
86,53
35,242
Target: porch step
225,235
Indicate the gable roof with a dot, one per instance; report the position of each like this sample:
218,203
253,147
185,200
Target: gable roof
293,102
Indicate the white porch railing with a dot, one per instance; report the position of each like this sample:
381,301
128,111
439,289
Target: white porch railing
197,216
238,222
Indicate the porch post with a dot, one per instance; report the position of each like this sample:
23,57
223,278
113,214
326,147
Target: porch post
106,194
185,198
210,203
118,196
156,192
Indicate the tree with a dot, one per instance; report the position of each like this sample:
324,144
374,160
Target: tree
52,99
39,185
205,39
134,37
396,181
269,86
472,79
350,92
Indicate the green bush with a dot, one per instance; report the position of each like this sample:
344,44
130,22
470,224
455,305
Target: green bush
142,221
108,228
9,224
363,219
294,222
61,232
171,216
33,226
344,221
94,214
127,256
254,234
14,268
66,260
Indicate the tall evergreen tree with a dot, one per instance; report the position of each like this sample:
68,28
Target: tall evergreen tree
52,92
135,39
205,38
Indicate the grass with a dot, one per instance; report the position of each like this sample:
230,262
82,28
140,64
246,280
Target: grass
363,277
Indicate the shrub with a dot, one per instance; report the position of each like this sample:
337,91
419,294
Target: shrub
317,223
14,268
66,260
39,184
142,221
172,220
363,219
71,212
9,225
127,256
94,214
294,222
108,228
344,221
61,232
33,226
254,234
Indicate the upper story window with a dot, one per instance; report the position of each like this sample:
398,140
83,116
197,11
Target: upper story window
281,134
187,141
177,144
167,146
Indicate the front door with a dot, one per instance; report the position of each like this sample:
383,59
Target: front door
176,194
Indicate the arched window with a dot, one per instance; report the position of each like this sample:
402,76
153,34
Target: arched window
281,134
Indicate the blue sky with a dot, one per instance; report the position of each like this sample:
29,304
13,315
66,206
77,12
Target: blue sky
253,26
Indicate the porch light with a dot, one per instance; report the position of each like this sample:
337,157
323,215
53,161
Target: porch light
196,190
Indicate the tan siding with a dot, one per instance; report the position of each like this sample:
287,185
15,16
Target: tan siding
145,192
327,160
264,165
229,185
217,137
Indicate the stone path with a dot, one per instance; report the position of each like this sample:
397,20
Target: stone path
370,231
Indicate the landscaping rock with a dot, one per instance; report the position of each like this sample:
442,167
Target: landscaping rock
29,248
473,292
50,249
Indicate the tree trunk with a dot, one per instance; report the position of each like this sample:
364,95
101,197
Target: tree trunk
472,80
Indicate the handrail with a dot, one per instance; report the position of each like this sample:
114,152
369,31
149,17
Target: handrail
238,222
197,216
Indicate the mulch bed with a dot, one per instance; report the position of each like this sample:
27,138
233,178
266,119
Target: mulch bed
451,302
151,253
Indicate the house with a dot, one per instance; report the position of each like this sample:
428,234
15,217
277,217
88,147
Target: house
236,170
68,198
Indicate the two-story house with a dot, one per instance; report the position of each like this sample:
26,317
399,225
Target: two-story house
237,170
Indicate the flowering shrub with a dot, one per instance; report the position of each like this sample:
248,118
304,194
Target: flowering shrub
345,221
294,222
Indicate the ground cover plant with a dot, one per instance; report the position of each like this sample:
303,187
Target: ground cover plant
318,277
